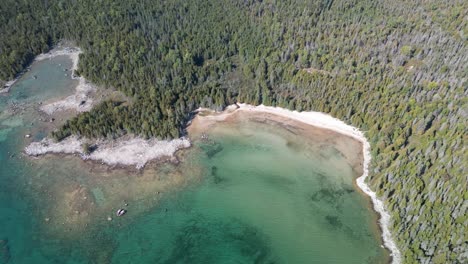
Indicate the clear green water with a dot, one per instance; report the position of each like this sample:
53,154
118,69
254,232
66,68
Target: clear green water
253,193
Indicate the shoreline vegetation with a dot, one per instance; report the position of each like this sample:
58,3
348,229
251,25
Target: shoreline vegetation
325,121
397,71
137,152
126,151
80,100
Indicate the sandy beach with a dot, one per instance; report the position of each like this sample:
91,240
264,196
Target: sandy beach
327,122
137,152
134,151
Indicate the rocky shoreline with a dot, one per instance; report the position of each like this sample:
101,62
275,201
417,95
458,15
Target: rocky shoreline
126,151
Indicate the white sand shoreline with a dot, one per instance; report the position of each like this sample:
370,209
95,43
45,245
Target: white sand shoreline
326,121
126,151
138,152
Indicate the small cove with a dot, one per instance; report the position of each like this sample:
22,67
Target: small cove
253,192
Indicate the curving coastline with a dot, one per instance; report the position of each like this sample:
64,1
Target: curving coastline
80,101
137,152
126,151
326,121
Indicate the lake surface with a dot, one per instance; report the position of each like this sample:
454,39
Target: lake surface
253,192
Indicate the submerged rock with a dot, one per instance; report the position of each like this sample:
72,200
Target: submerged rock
212,149
5,254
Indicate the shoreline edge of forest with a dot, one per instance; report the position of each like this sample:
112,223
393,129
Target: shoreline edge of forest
325,121
137,151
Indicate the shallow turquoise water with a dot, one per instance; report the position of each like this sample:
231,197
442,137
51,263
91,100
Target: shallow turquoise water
261,201
17,218
252,193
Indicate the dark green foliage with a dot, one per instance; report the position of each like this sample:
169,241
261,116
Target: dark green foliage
23,34
86,148
395,69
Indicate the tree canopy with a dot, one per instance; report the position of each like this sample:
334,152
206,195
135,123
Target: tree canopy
395,69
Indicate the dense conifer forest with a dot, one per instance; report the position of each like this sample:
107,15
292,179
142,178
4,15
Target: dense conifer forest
395,69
